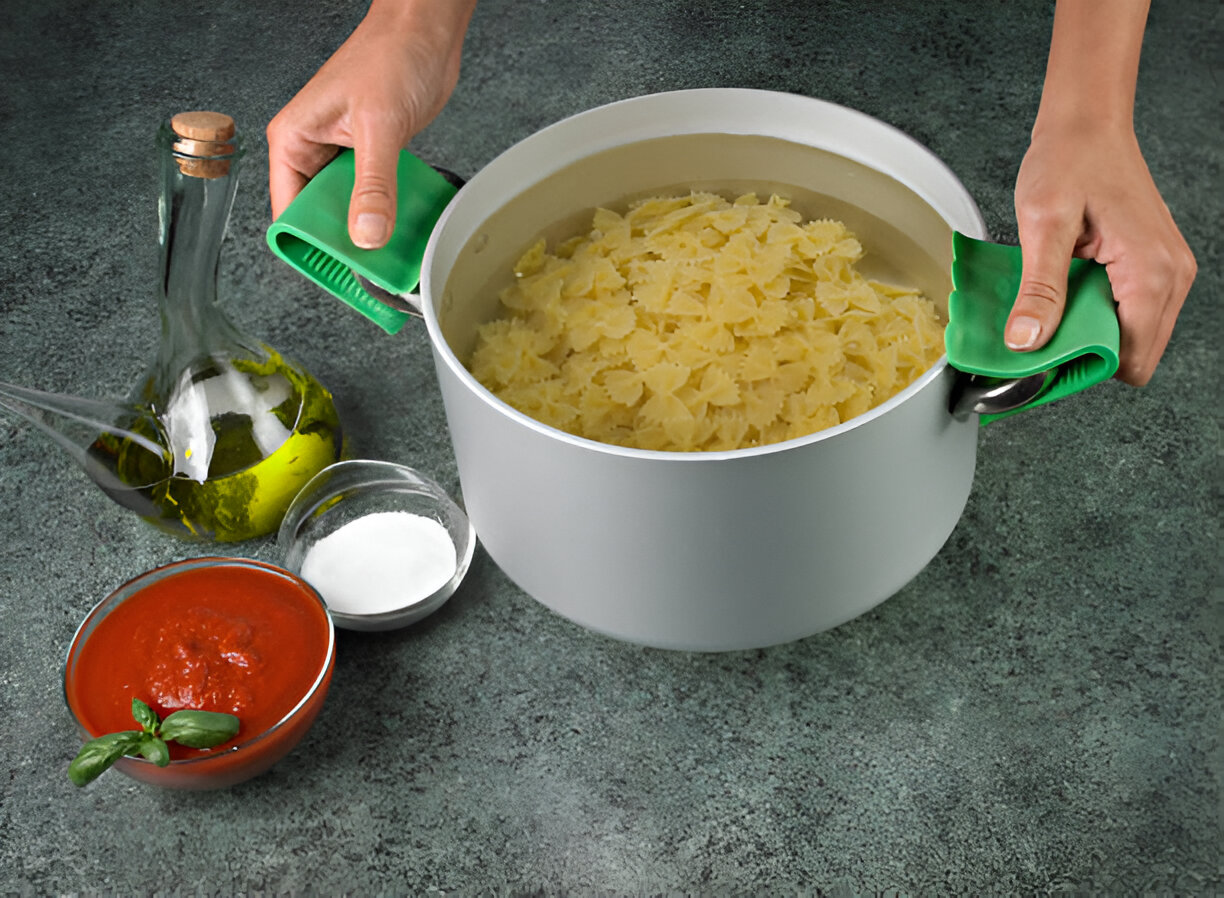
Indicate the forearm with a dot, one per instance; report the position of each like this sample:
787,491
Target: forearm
1093,64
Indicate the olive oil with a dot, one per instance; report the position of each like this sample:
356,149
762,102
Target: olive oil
242,489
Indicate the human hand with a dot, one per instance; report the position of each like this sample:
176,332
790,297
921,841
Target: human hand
385,83
1088,193
1085,190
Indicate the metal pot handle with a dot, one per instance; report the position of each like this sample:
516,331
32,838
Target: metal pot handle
976,394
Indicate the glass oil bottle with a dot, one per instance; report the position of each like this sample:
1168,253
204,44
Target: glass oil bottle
244,427
223,431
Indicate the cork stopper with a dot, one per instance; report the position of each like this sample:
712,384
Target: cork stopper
202,137
203,125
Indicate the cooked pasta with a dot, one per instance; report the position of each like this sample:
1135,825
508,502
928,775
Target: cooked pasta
695,323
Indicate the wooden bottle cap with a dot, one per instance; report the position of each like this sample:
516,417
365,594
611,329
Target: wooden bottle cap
203,134
203,125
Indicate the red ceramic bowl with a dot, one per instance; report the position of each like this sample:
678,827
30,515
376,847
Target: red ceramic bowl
214,634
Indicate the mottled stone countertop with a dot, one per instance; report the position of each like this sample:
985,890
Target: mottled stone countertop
1039,710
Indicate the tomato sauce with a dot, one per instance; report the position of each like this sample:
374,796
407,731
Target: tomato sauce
226,635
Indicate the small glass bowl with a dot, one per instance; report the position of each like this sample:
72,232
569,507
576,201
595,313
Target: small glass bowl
345,491
156,599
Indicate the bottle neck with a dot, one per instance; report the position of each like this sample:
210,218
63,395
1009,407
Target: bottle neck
197,193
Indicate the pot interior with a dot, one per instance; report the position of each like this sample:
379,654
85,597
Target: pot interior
905,240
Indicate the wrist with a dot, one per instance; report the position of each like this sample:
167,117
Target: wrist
1086,119
444,18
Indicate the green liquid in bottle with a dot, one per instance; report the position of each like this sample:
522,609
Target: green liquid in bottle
234,479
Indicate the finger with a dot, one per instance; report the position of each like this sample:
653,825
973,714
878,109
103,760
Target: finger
1139,352
1046,252
284,183
292,161
372,205
1140,321
1148,307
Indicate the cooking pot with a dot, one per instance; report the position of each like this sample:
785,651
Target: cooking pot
719,550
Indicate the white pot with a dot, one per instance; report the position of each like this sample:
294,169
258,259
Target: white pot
705,551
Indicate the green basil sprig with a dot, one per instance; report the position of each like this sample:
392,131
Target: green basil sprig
195,729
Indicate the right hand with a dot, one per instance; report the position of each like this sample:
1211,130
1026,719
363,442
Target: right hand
1087,192
384,84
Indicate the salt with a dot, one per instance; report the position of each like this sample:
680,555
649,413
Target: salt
381,562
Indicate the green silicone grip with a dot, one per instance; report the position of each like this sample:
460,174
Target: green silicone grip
985,281
311,235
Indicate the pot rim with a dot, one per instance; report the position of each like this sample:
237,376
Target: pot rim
716,110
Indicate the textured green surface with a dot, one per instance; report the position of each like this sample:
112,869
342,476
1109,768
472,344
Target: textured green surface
1038,710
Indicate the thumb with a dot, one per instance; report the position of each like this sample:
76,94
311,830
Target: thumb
371,216
1042,296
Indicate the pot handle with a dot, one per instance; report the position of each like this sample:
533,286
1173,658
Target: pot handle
998,397
990,397
311,235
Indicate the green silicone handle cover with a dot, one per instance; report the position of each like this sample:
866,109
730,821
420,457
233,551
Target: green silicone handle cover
985,281
311,235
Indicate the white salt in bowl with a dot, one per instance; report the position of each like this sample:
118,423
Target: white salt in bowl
383,544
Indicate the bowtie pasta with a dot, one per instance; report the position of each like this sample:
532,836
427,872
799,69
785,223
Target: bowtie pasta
696,324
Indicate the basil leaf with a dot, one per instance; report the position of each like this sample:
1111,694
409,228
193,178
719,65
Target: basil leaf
99,754
144,716
199,729
155,750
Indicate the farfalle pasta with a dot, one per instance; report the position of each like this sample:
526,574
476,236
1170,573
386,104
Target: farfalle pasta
695,323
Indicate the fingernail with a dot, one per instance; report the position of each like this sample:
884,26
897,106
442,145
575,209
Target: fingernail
1023,333
369,230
